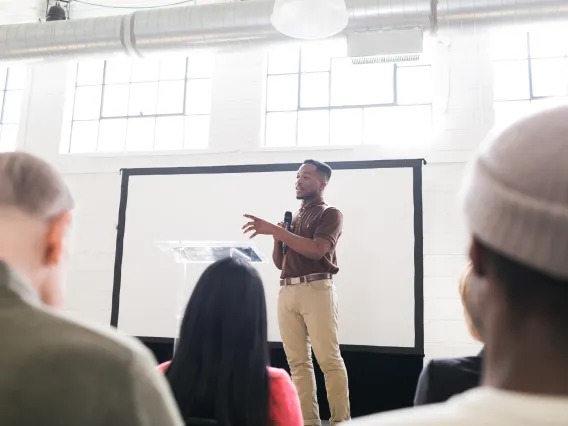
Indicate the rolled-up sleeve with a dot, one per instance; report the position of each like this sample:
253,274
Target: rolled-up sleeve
330,226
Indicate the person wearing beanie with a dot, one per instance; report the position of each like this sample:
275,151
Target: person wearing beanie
516,205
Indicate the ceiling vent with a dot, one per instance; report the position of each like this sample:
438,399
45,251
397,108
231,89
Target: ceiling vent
371,47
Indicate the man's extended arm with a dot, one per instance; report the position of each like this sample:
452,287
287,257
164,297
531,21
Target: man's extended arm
325,236
313,249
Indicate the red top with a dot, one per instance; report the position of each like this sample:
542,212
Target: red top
284,403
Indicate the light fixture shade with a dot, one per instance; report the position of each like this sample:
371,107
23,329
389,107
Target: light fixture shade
309,19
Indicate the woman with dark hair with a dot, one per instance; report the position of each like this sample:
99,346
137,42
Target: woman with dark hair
220,367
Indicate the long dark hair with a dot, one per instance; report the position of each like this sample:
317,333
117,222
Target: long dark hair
219,369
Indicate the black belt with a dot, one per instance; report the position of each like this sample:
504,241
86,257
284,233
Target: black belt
306,279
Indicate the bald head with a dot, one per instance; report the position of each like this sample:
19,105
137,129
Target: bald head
35,207
31,186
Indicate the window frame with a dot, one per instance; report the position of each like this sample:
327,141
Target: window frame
187,78
330,107
5,90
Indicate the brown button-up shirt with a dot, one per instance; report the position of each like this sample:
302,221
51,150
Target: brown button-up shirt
315,220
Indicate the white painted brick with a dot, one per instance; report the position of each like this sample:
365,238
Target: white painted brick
436,288
444,265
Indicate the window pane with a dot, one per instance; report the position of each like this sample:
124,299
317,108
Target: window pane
313,128
509,45
112,135
118,71
196,132
546,103
84,136
508,112
346,126
169,133
413,85
200,65
361,84
16,78
140,134
87,103
314,90
282,93
3,74
115,100
316,56
173,68
90,73
284,60
8,138
12,107
549,77
143,99
280,129
198,97
145,70
548,43
511,80
170,97
389,125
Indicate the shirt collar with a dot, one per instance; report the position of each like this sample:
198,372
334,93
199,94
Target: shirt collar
308,204
14,286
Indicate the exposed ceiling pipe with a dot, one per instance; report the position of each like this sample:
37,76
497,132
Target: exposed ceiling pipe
472,14
244,23
230,24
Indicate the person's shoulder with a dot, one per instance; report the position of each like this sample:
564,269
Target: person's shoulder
278,374
71,338
468,363
331,210
431,415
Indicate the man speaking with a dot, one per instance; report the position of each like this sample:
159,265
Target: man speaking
307,303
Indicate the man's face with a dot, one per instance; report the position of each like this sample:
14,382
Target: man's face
308,182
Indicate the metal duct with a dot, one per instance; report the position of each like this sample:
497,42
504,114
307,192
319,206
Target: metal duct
230,24
467,14
242,23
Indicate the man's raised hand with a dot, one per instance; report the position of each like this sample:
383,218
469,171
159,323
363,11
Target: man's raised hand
258,226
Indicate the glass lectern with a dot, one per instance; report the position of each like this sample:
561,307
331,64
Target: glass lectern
202,253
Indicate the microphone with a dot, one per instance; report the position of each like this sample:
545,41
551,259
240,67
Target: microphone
288,222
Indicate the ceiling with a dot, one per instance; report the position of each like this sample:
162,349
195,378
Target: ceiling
18,11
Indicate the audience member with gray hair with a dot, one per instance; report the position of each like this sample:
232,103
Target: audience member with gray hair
516,204
54,371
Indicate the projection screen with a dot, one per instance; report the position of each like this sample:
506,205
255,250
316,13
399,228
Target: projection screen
380,280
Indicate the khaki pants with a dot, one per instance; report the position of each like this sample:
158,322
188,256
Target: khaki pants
307,313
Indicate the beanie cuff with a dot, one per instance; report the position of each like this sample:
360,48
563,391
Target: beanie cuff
522,228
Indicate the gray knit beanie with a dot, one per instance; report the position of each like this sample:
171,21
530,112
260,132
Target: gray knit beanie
516,194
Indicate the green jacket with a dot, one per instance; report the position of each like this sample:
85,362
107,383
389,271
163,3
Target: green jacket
57,372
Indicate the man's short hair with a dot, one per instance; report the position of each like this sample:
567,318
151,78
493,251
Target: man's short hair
322,168
530,293
31,185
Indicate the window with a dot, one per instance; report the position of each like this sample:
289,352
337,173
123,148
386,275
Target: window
142,105
318,97
530,71
12,82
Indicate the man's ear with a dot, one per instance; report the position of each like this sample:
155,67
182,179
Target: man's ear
56,232
477,257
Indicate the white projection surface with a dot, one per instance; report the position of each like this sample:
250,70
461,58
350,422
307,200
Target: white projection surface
375,283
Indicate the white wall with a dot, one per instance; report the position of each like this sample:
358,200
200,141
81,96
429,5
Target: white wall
464,105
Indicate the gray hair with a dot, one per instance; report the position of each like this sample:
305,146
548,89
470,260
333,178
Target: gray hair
32,186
